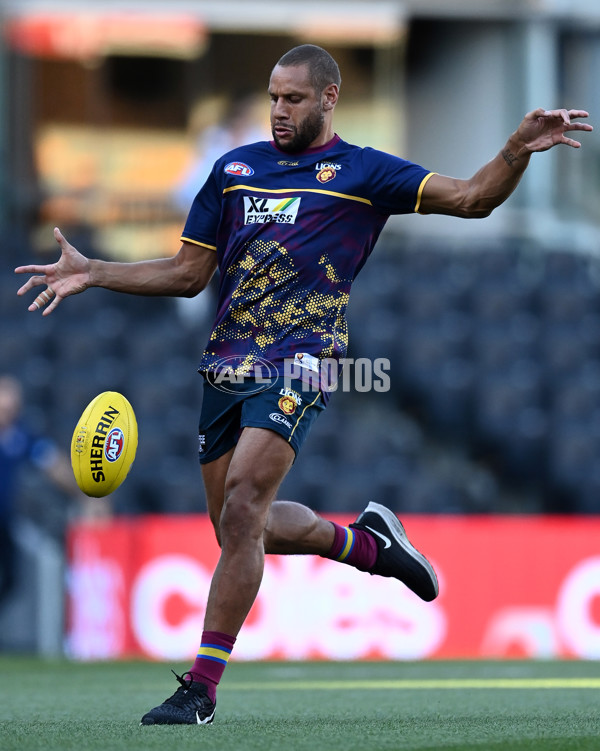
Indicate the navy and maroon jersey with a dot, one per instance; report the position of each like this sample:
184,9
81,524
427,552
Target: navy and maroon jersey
291,232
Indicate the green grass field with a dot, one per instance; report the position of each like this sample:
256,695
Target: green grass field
307,706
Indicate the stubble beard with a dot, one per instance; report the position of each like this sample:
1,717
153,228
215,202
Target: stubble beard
308,130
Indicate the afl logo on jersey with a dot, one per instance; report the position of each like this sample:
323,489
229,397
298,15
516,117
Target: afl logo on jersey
239,169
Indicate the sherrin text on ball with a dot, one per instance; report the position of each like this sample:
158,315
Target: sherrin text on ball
104,444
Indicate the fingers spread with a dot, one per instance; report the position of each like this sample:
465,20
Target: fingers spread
29,270
578,113
52,305
42,299
61,239
35,281
580,126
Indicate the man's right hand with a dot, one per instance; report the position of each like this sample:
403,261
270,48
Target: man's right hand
68,276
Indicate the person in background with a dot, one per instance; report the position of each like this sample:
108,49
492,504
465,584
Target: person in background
241,122
239,125
20,446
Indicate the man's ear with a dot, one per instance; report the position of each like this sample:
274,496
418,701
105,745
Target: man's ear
330,96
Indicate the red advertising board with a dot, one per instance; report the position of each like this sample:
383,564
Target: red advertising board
87,34
509,586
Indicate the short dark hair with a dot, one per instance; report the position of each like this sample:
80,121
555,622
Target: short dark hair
322,68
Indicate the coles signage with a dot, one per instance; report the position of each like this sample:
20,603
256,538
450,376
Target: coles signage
509,586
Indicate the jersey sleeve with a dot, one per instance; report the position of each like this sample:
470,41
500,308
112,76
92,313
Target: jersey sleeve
203,219
395,184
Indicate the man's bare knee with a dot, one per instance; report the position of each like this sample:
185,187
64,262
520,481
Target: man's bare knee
244,513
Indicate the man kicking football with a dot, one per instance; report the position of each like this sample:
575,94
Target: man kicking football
289,223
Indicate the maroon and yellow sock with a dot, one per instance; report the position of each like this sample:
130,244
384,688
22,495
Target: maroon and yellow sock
353,546
211,660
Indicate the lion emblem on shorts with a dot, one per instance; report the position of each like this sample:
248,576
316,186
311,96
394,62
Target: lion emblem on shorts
287,405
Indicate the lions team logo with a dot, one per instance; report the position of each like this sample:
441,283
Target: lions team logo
326,174
287,405
113,447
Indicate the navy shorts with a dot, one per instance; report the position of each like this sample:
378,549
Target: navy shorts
288,408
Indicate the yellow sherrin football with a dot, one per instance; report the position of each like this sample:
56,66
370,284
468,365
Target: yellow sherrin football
104,444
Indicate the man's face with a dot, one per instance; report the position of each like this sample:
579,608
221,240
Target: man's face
297,115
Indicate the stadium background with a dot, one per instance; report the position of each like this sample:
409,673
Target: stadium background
492,328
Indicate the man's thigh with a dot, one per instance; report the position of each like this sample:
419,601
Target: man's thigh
260,462
252,437
250,473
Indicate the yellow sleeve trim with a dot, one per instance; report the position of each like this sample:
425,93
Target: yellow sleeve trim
421,186
195,242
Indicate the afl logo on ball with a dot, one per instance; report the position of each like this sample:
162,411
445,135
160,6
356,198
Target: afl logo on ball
239,169
113,447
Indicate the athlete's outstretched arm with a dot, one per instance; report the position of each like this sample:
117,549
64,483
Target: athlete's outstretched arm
539,130
184,275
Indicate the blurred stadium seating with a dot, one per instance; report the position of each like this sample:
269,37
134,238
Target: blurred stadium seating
495,385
